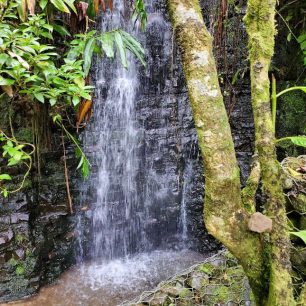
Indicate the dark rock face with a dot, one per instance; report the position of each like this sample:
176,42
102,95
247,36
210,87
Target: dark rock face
35,245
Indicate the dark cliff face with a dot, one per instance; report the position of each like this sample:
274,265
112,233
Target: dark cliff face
37,236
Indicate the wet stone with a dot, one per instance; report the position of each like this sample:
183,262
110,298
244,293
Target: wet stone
15,218
6,237
260,223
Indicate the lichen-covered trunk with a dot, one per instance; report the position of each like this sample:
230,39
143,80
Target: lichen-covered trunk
260,25
225,216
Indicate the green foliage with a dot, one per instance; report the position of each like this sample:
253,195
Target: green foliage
85,45
39,64
30,66
296,140
20,270
140,12
300,234
302,42
293,15
83,161
15,154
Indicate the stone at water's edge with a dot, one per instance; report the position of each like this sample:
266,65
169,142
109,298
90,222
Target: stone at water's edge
219,280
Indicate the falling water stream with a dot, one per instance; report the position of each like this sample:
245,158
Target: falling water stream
138,230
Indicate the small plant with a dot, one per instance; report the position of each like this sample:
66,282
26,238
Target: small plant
15,154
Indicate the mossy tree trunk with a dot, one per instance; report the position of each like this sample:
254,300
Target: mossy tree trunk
225,216
260,24
264,258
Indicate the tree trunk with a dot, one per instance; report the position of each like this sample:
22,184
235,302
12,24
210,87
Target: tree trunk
260,23
225,217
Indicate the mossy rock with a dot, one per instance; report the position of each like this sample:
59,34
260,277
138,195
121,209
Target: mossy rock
24,134
207,268
299,203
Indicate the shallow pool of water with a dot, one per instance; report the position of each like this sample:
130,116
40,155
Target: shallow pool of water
111,283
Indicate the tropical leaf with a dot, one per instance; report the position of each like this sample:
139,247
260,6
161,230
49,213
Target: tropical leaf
4,81
70,4
5,177
107,42
61,30
20,59
134,46
296,140
22,9
91,9
121,49
43,4
88,51
300,234
60,5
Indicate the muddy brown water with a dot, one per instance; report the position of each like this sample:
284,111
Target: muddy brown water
111,283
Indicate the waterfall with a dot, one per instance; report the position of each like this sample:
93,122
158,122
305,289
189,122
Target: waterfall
138,143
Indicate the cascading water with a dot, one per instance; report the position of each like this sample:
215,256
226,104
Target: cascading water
129,210
118,214
117,220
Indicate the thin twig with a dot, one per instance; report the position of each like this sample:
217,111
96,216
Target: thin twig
67,178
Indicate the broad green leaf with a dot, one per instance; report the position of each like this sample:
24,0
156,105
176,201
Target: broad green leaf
296,140
134,46
47,35
4,81
5,177
80,82
43,3
107,43
22,9
71,5
91,9
48,27
61,30
60,5
301,38
121,49
88,51
52,102
75,100
39,96
13,162
5,193
20,59
85,95
81,162
300,234
85,168
3,58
